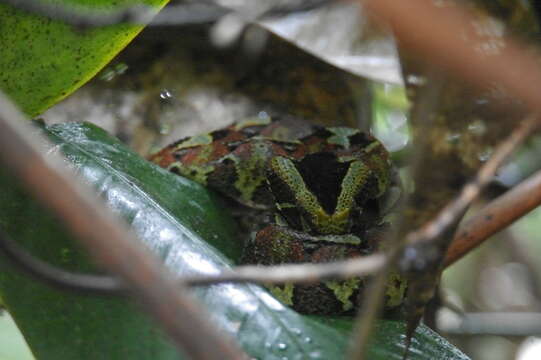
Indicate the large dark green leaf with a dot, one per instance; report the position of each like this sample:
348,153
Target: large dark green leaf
172,216
42,61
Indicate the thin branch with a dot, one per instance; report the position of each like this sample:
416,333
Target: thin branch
448,215
294,273
495,216
435,228
492,218
108,241
374,297
371,307
56,277
108,285
422,257
428,29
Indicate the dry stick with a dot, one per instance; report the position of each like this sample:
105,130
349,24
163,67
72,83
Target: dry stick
470,191
297,273
495,216
436,227
448,215
431,32
372,302
108,241
55,276
108,285
371,308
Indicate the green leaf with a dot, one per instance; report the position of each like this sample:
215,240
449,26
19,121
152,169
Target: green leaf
178,220
42,61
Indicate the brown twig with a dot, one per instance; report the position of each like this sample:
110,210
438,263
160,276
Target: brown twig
434,30
57,277
492,218
496,216
108,241
294,273
370,309
108,285
435,228
470,191
373,300
425,248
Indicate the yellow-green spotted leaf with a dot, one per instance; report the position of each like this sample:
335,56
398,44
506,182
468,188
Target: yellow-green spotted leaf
43,60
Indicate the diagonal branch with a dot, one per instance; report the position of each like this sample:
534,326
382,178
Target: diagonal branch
435,228
108,241
57,277
294,273
372,302
449,214
495,216
108,285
